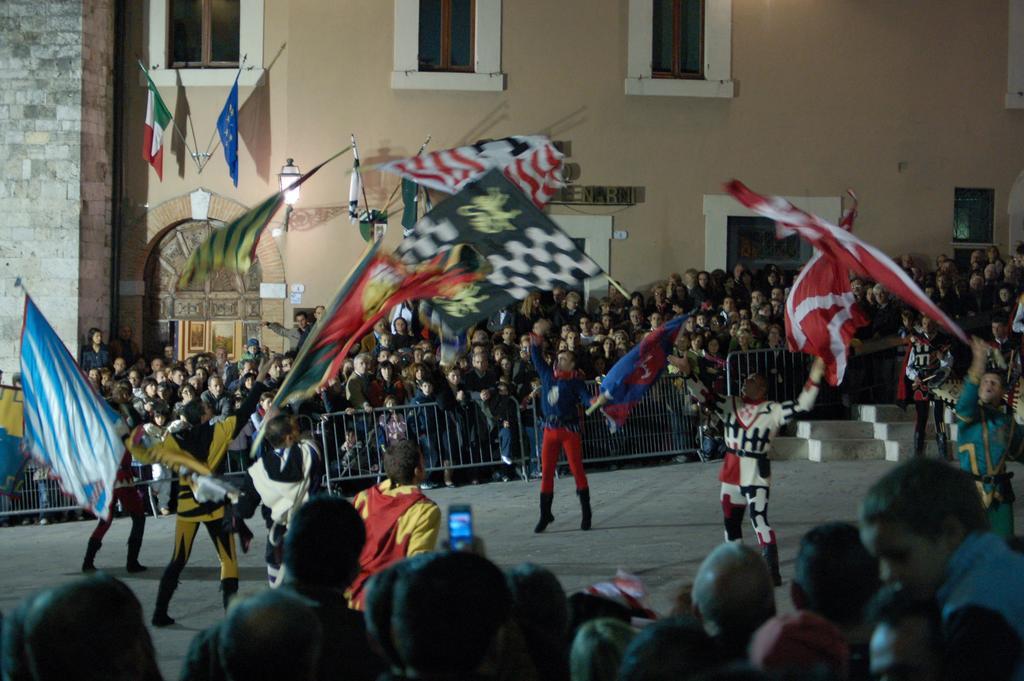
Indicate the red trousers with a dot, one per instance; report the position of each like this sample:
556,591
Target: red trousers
555,440
131,501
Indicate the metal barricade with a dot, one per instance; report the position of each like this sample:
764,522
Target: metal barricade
36,495
461,438
664,423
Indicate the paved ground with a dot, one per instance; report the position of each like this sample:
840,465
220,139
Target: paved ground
658,522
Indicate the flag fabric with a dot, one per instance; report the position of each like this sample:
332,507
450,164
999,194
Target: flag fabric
68,428
633,375
841,246
158,117
233,246
378,283
227,127
524,250
355,188
532,163
822,314
12,454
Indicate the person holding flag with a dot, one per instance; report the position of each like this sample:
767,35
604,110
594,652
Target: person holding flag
750,422
561,391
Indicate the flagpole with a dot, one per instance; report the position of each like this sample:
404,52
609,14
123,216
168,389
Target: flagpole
362,185
617,285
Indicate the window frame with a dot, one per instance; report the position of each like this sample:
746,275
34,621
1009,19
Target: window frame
991,227
206,40
677,72
250,48
486,74
446,39
717,54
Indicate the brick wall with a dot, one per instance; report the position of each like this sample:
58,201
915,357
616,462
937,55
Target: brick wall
55,104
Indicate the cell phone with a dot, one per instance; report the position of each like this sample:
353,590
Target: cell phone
460,527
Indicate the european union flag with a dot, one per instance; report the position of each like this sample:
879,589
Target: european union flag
227,126
633,375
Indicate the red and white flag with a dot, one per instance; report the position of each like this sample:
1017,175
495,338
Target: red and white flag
157,119
532,163
821,313
844,249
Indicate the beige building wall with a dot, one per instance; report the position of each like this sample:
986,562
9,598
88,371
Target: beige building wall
902,101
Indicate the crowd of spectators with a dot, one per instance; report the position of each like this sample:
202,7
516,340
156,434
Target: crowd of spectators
920,590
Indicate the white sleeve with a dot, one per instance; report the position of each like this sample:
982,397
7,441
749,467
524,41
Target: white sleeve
1018,318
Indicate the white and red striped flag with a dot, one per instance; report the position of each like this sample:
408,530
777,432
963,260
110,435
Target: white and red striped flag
821,313
532,163
844,249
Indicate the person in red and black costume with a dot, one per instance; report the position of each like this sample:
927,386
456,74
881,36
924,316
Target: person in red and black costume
562,391
749,424
928,359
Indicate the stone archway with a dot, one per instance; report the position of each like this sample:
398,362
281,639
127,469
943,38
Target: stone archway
145,284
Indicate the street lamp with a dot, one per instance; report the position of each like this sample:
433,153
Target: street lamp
288,176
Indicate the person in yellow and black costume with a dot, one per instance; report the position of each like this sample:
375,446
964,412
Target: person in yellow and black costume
197,446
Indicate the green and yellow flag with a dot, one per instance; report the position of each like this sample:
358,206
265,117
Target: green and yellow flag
233,247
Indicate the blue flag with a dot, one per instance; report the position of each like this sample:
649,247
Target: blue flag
67,426
12,456
633,375
227,126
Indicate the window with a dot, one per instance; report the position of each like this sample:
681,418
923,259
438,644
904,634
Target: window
680,48
204,33
973,210
752,242
448,45
678,39
446,35
202,41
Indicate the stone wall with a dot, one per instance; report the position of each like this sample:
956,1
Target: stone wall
55,104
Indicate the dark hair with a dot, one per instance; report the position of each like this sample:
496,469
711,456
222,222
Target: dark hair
251,638
161,408
669,649
193,412
836,573
401,461
379,604
538,600
893,605
455,596
147,381
312,560
921,494
278,428
91,628
584,607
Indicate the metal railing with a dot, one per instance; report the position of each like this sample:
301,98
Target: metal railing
464,437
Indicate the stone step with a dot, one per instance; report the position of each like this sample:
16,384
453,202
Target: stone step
903,450
884,413
853,449
834,430
899,431
789,448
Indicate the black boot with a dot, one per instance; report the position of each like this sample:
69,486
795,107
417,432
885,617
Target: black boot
90,554
942,441
135,544
168,583
584,495
228,588
545,512
918,444
771,556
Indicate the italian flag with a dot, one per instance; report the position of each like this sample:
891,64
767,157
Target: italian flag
157,119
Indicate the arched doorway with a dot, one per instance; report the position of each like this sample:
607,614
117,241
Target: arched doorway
224,310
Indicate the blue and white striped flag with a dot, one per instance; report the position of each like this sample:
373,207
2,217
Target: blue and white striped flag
67,426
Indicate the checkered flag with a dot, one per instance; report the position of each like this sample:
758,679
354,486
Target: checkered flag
524,250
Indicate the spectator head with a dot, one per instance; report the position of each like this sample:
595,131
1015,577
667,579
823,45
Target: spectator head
215,386
125,332
308,559
161,412
448,597
733,595
95,336
800,642
301,320
538,600
881,295
121,392
572,300
915,517
90,628
318,312
597,650
282,431
480,361
135,378
669,649
379,604
119,365
362,363
252,346
907,640
256,631
834,575
403,463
